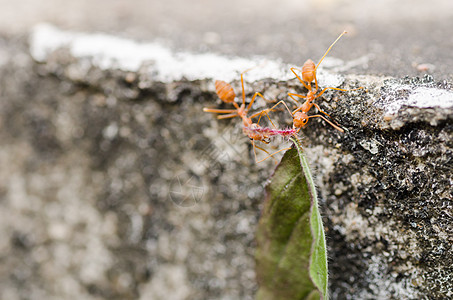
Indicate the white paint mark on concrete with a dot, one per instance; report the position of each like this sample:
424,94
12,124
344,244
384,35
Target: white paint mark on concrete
338,65
110,52
327,79
430,97
422,97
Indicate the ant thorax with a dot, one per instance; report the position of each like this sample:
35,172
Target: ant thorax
307,105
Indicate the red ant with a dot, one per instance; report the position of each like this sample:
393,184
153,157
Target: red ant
300,116
253,130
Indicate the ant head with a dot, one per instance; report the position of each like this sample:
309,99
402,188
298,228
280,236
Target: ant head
225,91
300,119
309,71
259,137
256,136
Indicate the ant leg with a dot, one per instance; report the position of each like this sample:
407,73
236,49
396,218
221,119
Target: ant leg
333,125
269,155
261,114
271,109
337,89
262,97
253,100
316,80
228,113
297,95
254,152
345,90
218,111
286,106
268,110
320,110
228,116
308,87
242,83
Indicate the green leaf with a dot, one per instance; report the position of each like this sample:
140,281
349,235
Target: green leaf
291,250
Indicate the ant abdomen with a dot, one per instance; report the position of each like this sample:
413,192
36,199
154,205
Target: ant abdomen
308,71
225,91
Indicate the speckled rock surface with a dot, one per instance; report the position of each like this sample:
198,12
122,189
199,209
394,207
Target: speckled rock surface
389,209
116,186
91,204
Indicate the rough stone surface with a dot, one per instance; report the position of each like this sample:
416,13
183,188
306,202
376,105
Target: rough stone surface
116,186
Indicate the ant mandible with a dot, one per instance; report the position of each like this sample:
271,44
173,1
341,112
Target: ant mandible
300,115
254,131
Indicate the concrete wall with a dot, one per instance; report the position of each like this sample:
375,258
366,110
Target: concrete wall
114,183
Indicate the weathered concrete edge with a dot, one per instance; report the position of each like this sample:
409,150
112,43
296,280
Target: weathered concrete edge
164,65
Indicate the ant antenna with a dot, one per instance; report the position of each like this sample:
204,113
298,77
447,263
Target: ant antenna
344,32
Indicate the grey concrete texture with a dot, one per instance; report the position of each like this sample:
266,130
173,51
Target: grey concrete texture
397,38
113,185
